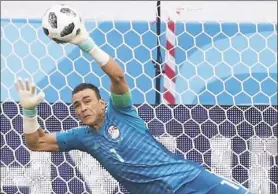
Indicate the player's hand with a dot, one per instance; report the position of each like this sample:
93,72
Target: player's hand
82,36
28,97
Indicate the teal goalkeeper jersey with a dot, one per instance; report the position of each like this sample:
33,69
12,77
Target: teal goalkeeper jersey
125,147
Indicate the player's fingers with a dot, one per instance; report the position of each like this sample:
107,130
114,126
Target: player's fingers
40,97
33,89
27,84
16,85
21,84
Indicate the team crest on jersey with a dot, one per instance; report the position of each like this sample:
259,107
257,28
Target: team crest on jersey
114,132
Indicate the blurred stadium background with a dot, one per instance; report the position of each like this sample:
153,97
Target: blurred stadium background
218,106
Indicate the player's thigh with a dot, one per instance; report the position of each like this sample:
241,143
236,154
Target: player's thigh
228,187
209,183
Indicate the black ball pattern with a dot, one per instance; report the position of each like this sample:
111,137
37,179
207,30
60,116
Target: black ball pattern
67,30
68,11
45,30
52,19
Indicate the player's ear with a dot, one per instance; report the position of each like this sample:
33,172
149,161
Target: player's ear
102,103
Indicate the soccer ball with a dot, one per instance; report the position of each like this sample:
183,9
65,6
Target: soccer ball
61,23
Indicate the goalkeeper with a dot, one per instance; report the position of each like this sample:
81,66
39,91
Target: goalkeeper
117,137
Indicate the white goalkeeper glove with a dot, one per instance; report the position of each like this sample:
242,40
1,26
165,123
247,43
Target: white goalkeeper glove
83,40
87,44
29,100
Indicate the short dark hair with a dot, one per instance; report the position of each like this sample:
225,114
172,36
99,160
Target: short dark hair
84,86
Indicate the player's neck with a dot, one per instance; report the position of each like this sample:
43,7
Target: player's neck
97,125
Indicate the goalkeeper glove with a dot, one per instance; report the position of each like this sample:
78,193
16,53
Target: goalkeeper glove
29,100
86,44
83,40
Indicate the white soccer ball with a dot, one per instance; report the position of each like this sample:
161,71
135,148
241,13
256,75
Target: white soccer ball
61,23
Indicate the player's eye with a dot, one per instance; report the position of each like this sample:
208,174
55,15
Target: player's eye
76,106
87,101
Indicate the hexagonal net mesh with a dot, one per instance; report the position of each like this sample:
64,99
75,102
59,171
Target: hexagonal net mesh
224,116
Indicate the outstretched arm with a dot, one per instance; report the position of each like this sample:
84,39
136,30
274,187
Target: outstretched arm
106,62
118,82
41,141
36,138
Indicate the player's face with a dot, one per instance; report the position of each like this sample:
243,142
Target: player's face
88,108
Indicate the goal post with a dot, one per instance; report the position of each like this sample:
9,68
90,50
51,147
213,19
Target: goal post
223,81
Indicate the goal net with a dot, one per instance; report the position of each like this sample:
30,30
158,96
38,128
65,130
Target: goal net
218,97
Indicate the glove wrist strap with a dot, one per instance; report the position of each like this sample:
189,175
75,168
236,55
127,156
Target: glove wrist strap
100,56
30,122
87,45
30,112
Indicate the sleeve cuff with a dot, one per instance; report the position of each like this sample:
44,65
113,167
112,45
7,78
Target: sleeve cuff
121,100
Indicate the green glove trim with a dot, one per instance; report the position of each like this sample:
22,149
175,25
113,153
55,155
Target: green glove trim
87,45
30,112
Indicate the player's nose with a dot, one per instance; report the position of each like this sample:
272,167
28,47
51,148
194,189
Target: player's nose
83,108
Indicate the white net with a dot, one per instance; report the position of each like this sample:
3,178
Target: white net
224,116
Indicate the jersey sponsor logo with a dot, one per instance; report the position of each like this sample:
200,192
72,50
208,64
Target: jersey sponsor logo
114,132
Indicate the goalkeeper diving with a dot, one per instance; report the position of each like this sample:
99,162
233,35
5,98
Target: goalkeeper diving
117,137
